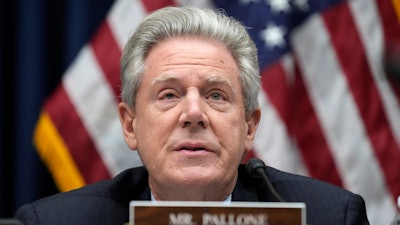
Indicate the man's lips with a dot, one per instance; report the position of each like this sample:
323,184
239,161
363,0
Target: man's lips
192,147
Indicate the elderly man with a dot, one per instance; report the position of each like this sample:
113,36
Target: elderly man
190,83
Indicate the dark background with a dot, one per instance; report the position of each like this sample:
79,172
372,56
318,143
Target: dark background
38,40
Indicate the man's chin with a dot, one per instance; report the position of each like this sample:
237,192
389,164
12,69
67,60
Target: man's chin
197,176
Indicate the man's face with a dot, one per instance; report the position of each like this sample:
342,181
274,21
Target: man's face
189,122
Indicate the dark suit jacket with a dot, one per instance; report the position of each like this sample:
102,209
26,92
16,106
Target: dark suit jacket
107,202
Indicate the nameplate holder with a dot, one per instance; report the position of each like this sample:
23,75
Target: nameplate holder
216,213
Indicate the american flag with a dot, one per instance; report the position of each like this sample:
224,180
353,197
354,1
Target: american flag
329,109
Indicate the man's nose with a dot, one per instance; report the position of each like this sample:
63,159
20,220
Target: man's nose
193,111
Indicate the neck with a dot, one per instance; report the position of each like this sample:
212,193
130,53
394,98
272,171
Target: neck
191,192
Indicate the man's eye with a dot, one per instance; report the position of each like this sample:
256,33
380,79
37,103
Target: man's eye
169,96
216,96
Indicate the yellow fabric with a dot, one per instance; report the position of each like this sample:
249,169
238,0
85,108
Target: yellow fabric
56,156
396,6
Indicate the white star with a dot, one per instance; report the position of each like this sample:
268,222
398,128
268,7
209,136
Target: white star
246,2
302,5
279,5
273,36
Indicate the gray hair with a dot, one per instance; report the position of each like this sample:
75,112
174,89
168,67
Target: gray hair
170,22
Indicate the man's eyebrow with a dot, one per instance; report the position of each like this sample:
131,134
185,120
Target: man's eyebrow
219,80
211,80
166,78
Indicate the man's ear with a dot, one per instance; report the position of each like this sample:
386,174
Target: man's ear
252,121
128,122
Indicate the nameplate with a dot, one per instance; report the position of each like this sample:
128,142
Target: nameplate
216,213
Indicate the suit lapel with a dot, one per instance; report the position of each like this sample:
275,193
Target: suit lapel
244,190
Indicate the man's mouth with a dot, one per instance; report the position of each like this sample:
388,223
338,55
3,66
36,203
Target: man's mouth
192,147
